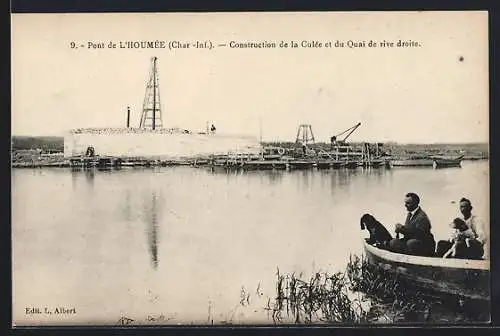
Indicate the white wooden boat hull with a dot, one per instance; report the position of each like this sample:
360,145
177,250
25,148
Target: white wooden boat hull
459,277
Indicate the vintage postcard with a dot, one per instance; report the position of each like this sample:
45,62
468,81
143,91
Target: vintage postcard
250,168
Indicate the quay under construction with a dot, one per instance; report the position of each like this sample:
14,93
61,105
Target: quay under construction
151,140
152,144
304,154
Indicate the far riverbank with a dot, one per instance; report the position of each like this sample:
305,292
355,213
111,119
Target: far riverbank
47,151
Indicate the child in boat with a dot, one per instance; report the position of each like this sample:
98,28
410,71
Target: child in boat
459,241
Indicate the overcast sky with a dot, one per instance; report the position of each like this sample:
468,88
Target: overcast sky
425,94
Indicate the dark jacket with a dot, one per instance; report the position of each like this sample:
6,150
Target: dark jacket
418,227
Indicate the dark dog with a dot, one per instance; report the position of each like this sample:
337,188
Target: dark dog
378,233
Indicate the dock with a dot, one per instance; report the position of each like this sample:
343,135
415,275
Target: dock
226,161
339,155
284,162
35,164
264,165
85,161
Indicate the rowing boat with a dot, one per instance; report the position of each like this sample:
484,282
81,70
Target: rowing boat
443,162
458,277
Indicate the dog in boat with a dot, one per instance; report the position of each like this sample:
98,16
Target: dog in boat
379,236
459,225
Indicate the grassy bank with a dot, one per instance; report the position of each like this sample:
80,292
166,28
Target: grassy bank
45,143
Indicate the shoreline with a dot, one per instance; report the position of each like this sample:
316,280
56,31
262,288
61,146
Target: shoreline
47,152
144,163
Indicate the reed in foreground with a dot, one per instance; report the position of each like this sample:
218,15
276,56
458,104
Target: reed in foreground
362,294
322,298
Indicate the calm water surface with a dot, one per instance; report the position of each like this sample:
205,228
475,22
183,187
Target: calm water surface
180,245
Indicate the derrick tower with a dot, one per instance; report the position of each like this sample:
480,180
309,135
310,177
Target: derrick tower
151,109
305,135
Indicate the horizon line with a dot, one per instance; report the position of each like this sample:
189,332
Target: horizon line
284,141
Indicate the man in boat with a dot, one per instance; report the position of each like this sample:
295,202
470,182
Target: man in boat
418,239
477,248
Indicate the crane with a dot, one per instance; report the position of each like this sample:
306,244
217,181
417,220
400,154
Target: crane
349,131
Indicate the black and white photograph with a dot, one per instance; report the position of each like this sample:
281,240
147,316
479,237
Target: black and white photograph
250,168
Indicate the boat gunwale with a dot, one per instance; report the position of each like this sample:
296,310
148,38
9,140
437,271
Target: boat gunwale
466,264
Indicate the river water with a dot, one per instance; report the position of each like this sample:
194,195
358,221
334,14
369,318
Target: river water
182,245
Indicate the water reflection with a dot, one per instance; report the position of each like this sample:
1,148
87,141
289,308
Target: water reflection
88,172
121,217
127,211
329,176
275,176
305,178
90,176
268,176
373,174
152,229
232,173
221,171
74,176
341,180
344,176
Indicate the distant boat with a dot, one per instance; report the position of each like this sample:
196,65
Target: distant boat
444,162
457,277
413,161
475,157
300,164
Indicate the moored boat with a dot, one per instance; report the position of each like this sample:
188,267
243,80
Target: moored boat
444,162
458,277
263,165
300,164
324,164
351,164
413,161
